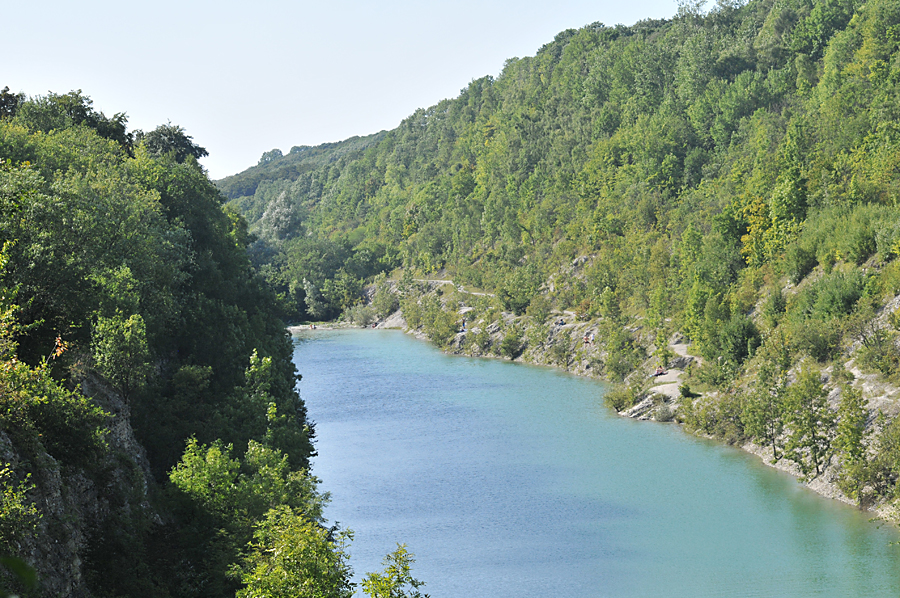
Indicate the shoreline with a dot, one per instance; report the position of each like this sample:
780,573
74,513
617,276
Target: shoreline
667,388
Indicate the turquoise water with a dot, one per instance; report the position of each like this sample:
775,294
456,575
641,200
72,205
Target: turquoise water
515,481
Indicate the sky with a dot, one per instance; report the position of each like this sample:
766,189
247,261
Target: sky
245,77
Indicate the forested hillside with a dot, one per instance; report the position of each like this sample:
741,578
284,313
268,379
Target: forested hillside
149,424
731,175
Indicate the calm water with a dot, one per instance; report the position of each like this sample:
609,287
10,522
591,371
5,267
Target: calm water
515,481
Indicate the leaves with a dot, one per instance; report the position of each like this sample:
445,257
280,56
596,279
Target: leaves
397,580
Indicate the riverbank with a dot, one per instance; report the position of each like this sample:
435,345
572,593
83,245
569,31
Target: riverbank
573,344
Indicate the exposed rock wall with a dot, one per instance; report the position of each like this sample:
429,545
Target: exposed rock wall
78,503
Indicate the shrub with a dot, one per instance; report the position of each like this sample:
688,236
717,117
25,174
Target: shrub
412,311
562,351
120,351
818,339
440,325
738,339
774,307
621,397
397,580
290,553
623,353
38,412
799,261
511,346
686,393
718,416
539,309
480,339
361,315
517,289
880,352
663,413
838,293
830,297
385,302
18,516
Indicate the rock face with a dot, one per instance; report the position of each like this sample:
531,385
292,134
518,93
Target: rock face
395,320
78,505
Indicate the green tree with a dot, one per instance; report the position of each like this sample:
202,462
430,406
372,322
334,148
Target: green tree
849,442
563,349
9,102
315,305
385,300
397,580
62,111
169,139
120,351
220,500
809,422
511,345
763,410
539,309
239,491
292,557
19,516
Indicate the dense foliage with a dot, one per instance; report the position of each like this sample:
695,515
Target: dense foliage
729,174
127,288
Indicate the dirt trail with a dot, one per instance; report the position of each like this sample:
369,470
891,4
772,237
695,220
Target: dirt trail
668,383
459,287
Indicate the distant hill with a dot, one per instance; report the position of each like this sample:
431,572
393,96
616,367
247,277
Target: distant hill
275,166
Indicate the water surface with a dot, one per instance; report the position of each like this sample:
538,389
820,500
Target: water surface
508,480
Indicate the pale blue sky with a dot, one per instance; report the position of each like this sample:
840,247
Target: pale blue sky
247,77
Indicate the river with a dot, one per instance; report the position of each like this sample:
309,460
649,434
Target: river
508,480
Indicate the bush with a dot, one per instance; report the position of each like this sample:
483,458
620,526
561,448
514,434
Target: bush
686,393
518,288
38,412
774,307
838,293
120,351
623,353
818,339
738,339
18,516
385,302
621,397
539,309
439,324
412,312
397,580
799,261
290,553
830,297
361,315
718,416
480,339
511,346
663,413
880,352
562,351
